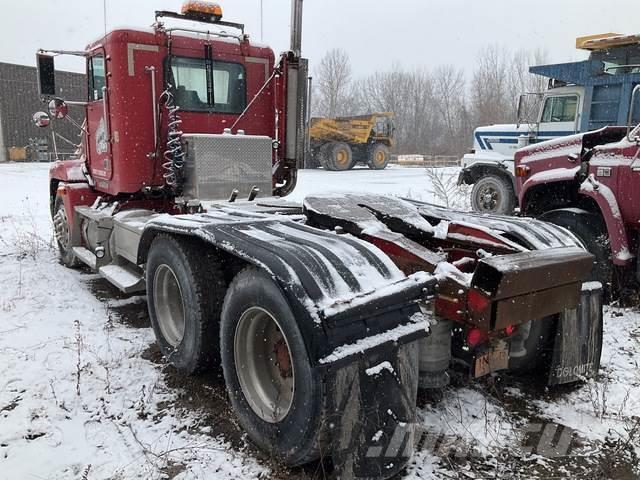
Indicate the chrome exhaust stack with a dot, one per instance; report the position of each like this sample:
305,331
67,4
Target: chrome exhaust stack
296,113
296,27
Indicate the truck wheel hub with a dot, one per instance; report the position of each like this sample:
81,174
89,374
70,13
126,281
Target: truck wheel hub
263,364
169,305
489,198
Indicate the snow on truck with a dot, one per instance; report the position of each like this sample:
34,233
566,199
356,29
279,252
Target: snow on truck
326,317
582,96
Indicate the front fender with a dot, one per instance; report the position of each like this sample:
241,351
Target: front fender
474,169
610,209
65,171
546,177
69,171
343,291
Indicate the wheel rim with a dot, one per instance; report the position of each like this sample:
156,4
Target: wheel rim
488,199
61,228
380,158
263,364
169,305
342,158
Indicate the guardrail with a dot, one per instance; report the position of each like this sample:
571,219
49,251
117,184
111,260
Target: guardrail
431,161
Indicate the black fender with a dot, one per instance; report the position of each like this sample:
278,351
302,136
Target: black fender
470,175
341,289
530,233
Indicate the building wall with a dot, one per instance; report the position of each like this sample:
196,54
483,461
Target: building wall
19,100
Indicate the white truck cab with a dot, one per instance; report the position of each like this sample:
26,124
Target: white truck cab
489,165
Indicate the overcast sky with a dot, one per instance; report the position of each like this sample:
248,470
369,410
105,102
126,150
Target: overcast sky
375,33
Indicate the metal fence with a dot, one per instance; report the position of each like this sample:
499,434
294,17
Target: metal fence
432,161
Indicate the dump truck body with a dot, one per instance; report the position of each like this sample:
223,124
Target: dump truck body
340,143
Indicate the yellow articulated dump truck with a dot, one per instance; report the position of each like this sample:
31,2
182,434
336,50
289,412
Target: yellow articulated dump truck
340,143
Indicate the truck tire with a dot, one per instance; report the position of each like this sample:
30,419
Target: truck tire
336,156
62,232
279,397
592,232
185,292
378,156
493,194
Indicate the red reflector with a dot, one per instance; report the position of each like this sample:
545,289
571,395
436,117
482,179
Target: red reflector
475,337
476,301
509,330
522,171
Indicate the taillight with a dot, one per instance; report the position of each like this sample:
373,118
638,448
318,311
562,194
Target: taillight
509,330
522,170
475,337
477,302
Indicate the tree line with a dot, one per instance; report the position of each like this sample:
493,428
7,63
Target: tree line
436,109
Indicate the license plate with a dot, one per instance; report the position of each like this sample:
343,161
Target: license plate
493,360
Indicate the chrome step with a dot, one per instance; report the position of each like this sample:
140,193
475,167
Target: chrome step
86,256
127,279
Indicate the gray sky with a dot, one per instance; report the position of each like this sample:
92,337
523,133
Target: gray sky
413,33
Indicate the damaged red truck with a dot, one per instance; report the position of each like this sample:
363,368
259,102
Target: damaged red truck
588,183
192,139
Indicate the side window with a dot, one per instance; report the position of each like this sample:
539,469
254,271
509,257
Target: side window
560,109
97,78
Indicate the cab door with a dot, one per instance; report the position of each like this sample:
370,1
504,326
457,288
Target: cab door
627,161
559,117
98,120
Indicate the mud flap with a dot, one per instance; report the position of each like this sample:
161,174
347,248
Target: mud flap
578,343
373,403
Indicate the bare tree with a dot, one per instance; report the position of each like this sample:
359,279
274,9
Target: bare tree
436,110
522,82
489,89
333,84
449,88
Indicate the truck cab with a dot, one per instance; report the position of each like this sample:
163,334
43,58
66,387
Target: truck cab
581,96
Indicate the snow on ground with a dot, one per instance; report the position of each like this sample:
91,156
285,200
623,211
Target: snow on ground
79,400
416,183
76,398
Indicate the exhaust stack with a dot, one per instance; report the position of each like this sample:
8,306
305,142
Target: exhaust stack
296,27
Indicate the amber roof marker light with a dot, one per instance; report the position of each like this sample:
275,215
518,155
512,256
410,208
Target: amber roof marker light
202,10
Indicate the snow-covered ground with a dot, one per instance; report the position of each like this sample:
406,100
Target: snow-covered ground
83,394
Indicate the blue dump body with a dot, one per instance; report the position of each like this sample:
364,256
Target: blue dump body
608,85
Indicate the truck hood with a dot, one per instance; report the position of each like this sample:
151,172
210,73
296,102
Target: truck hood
559,147
504,127
501,137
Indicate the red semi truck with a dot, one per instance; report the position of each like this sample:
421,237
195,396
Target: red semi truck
588,183
192,138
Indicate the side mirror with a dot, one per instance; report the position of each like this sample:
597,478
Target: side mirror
520,109
46,75
41,119
58,109
633,134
